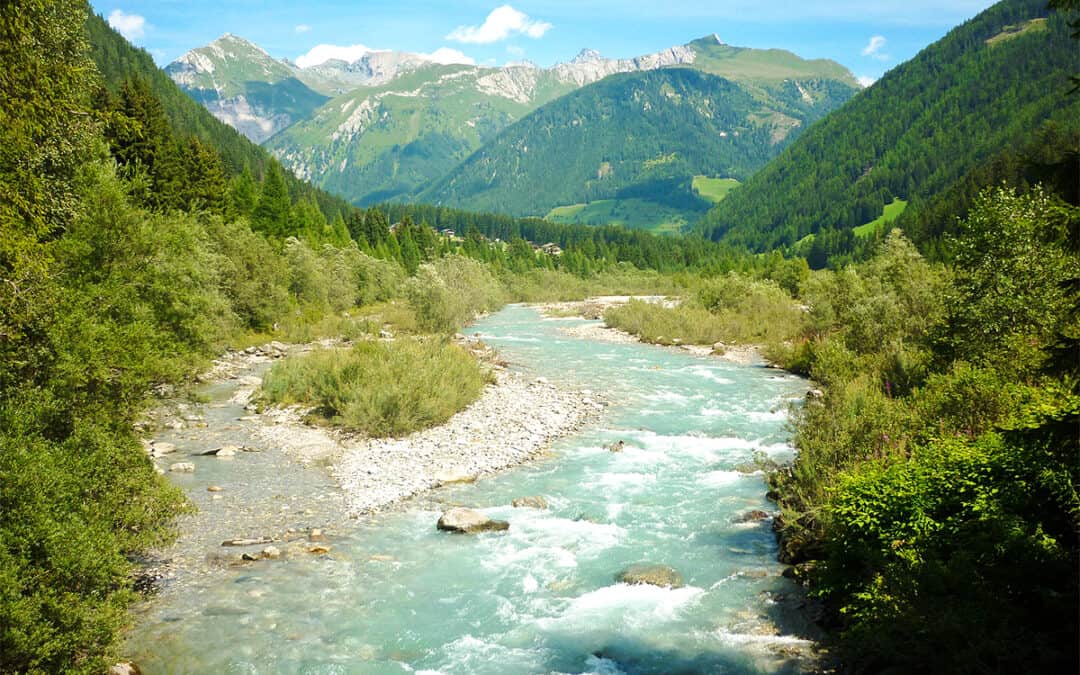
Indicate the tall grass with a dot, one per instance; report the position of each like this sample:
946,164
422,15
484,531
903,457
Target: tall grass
380,388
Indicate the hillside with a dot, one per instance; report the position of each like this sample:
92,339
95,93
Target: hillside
244,87
397,121
117,60
984,88
633,130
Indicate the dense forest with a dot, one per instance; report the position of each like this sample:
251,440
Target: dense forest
626,129
984,89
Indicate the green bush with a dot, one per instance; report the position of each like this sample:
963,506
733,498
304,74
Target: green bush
380,388
449,292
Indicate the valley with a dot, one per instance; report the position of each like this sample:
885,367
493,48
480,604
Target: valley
463,357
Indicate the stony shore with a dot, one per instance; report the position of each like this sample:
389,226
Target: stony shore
593,308
515,419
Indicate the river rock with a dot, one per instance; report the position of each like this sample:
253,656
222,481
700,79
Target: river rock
617,446
534,502
654,575
227,451
272,552
751,516
161,448
247,542
469,521
455,475
124,668
318,549
316,535
182,467
214,488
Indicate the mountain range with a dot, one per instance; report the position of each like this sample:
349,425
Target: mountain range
395,125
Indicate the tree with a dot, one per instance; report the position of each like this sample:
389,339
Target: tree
271,214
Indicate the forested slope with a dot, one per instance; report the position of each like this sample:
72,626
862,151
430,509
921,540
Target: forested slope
983,89
117,60
630,129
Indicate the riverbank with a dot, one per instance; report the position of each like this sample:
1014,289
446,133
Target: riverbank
594,308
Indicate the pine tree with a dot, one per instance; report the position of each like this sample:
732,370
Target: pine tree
271,214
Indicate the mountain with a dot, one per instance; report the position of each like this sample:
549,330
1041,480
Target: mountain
397,122
118,60
638,135
987,87
244,87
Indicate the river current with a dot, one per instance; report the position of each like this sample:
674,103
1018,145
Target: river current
396,596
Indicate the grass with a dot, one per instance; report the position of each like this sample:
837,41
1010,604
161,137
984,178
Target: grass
637,214
1016,30
380,388
890,213
714,189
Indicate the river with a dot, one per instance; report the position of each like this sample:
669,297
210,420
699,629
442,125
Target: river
394,595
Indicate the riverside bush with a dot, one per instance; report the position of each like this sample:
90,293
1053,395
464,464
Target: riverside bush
733,309
380,388
449,292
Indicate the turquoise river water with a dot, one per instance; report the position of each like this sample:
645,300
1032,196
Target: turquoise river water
540,598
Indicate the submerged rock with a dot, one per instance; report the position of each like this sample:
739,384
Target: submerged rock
469,521
653,575
752,516
534,502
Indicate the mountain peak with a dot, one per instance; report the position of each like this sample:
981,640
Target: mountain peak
587,56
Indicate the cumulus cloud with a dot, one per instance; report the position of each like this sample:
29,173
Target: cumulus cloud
303,28
866,80
499,25
323,53
131,26
874,46
447,56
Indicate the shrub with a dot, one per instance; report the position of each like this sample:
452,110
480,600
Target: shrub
449,292
380,388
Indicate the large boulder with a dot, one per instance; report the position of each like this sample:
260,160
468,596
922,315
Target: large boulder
469,521
653,575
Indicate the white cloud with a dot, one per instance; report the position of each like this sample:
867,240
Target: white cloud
323,53
302,28
874,47
499,25
446,56
866,80
131,26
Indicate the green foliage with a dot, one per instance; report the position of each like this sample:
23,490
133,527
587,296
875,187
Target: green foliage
912,135
380,388
732,309
1012,267
702,123
449,292
936,481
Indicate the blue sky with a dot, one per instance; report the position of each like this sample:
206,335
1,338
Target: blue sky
867,37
